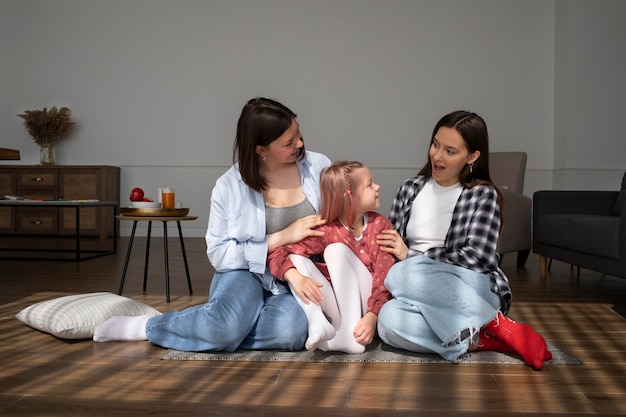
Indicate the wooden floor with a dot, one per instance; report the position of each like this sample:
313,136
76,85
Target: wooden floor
41,375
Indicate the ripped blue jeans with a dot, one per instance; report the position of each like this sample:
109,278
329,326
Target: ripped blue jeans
436,307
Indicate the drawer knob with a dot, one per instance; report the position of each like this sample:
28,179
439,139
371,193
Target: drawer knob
37,222
37,179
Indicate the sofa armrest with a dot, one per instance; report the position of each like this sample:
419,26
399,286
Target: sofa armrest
516,226
573,202
620,210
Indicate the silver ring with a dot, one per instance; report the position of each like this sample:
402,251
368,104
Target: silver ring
394,240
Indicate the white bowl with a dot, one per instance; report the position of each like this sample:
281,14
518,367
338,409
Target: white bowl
145,204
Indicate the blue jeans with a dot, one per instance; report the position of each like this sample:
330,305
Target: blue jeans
437,307
238,314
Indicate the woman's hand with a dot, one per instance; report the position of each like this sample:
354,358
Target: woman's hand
296,231
366,328
389,241
306,288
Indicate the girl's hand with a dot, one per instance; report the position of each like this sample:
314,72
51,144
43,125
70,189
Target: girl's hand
389,241
365,329
306,288
296,231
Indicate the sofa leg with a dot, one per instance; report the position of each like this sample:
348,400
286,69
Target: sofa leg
543,266
522,256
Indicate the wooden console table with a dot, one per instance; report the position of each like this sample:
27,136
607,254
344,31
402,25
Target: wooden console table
79,253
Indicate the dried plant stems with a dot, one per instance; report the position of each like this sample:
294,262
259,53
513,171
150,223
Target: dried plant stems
47,126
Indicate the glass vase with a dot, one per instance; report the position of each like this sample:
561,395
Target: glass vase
46,155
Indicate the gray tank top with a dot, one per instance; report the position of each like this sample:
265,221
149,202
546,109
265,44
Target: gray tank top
277,218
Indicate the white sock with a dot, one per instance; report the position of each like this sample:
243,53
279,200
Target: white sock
342,342
320,330
122,328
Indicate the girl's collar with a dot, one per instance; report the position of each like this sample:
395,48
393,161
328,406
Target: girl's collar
365,221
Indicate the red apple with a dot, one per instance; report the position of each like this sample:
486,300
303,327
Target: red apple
148,200
136,194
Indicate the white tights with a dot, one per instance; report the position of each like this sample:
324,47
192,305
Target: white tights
331,325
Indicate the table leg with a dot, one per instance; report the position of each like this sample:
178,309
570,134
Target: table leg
115,221
77,233
130,246
167,266
145,266
182,247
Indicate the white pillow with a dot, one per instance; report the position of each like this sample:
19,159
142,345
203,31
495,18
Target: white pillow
77,316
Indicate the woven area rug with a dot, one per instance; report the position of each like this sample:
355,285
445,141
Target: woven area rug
376,352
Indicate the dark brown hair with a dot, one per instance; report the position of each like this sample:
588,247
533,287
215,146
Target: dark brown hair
473,130
262,121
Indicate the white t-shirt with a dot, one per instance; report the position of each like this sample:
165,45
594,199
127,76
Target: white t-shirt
431,215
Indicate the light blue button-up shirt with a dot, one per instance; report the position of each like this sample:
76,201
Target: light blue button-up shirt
236,237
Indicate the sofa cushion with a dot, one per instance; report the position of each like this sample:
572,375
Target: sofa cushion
619,203
591,234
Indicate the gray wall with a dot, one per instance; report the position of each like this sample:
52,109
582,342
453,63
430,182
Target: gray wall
156,86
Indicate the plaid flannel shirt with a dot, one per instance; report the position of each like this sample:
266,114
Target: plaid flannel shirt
473,234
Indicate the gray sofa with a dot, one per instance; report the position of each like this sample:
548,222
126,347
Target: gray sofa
582,228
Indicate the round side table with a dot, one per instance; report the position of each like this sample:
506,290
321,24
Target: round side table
165,220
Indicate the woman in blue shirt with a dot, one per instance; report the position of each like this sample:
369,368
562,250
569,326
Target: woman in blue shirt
268,198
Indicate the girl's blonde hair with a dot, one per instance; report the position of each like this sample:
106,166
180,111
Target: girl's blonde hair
337,183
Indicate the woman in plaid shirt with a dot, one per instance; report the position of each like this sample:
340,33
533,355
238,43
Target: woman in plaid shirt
450,296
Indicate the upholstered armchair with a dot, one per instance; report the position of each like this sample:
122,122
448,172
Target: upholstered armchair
508,170
582,228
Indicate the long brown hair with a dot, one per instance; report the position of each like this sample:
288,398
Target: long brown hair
262,121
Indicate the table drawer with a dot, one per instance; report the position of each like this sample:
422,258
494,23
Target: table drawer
36,222
38,179
7,219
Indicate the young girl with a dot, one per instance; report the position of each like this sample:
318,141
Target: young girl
347,288
450,296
